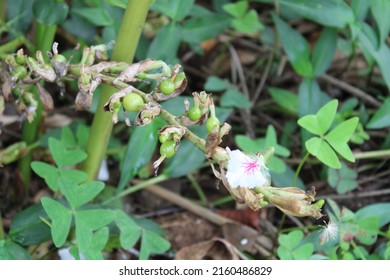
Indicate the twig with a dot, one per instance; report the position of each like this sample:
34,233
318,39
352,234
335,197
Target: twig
352,90
355,195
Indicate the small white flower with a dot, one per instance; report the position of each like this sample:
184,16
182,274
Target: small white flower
330,232
247,171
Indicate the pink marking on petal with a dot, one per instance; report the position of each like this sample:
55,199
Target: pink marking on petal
250,167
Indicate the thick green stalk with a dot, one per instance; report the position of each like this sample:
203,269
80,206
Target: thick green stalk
124,50
2,235
44,40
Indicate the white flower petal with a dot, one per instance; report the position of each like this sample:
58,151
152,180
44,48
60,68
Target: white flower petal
245,171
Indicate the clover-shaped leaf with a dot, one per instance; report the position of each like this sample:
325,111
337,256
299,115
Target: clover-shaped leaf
63,156
61,220
78,195
291,248
325,146
343,180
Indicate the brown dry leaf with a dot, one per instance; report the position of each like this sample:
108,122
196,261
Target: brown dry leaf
45,97
244,216
83,101
215,249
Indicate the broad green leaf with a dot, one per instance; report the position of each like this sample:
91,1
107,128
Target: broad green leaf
234,98
360,8
284,253
78,195
27,227
80,27
61,218
310,97
129,230
20,11
295,46
370,229
176,10
320,123
50,12
166,43
47,172
324,51
139,151
333,13
96,16
247,144
118,3
249,23
199,29
64,157
152,243
285,99
272,141
237,9
339,137
286,178
381,53
12,251
380,10
75,175
67,137
321,150
377,210
303,252
214,83
276,165
381,118
343,179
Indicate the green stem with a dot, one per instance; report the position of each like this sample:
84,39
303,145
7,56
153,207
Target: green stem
44,40
138,187
198,189
11,46
357,249
3,11
124,50
372,154
299,168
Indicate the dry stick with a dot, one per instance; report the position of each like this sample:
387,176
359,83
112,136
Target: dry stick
200,211
351,89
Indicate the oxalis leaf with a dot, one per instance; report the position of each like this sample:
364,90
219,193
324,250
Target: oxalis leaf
152,243
61,220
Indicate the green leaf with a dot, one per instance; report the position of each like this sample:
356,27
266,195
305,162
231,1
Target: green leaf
247,144
176,10
67,137
291,240
324,51
47,172
303,252
214,83
295,46
234,98
380,10
237,9
381,118
50,12
199,29
343,179
96,16
381,53
118,3
129,230
285,99
284,253
339,137
12,251
250,23
64,157
377,210
310,97
320,123
95,219
75,175
139,151
152,243
166,43
360,8
98,242
332,13
61,220
321,150
78,195
27,227
20,11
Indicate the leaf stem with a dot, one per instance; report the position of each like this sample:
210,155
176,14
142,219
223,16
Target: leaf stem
124,50
299,168
198,189
137,187
372,154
